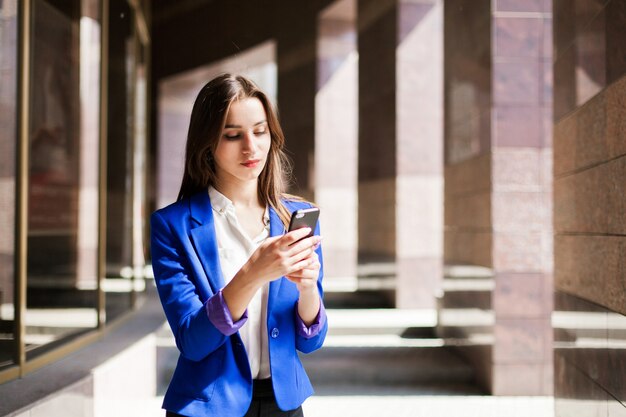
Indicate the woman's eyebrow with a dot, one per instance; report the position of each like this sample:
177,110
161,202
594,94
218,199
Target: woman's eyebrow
239,127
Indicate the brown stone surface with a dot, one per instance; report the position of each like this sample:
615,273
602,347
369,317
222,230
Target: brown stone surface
470,176
592,267
564,141
581,201
468,247
616,118
472,211
616,205
377,218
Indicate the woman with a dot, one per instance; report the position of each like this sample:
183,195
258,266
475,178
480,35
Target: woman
240,294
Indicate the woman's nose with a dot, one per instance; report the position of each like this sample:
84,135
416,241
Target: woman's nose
249,143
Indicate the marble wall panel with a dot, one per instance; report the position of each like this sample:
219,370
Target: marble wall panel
417,281
377,219
466,246
518,37
582,201
516,126
470,176
521,295
565,132
467,80
471,211
516,83
519,379
518,251
518,170
616,197
615,40
592,267
528,6
616,118
296,101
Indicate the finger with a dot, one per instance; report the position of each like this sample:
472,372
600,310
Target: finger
298,266
304,244
295,235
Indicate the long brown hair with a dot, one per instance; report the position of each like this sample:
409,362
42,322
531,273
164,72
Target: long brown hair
205,127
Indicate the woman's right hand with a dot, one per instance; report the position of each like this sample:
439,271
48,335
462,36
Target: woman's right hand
281,255
274,258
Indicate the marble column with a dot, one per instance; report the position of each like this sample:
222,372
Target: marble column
498,178
401,144
336,141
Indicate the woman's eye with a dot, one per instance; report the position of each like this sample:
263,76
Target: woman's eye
232,136
260,132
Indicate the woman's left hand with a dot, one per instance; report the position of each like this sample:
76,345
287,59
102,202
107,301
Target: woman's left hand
306,278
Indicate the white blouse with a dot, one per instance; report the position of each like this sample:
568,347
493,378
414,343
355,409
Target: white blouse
235,248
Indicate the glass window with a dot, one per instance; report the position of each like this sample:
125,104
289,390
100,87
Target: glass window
8,83
63,173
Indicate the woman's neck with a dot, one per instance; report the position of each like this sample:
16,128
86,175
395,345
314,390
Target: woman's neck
242,194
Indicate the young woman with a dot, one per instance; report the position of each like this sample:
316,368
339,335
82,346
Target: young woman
241,295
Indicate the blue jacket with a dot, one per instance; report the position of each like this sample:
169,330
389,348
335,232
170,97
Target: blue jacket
212,377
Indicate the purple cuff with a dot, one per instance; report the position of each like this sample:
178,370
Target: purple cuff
219,315
315,327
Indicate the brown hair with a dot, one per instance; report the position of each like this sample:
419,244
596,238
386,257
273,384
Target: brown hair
207,122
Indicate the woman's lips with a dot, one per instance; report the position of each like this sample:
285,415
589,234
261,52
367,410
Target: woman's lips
251,163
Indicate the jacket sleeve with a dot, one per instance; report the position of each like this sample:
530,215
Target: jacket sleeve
309,344
195,335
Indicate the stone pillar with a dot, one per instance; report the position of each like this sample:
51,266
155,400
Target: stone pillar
521,197
336,141
296,65
377,32
400,143
419,153
498,178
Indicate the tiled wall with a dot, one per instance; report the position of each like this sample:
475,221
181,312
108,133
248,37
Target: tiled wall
590,207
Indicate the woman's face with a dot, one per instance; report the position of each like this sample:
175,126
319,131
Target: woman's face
244,143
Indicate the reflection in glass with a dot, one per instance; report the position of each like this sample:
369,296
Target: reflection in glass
8,82
590,356
120,127
63,193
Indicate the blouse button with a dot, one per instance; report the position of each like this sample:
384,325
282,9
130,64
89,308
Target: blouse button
275,333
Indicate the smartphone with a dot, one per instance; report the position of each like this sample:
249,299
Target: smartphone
304,218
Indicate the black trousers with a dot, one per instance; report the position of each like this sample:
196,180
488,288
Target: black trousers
263,403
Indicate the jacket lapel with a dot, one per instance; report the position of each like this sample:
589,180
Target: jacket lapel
204,240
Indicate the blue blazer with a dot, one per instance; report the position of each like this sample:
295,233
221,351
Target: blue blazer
212,376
